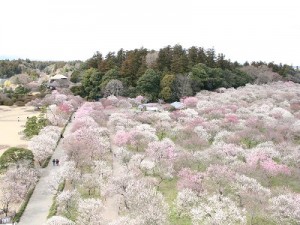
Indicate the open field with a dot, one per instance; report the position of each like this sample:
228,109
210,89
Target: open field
12,122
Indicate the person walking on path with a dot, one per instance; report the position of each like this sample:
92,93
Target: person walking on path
57,162
53,161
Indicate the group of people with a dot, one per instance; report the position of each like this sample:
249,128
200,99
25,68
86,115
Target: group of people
55,162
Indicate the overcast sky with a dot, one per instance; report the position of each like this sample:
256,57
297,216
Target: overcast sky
68,30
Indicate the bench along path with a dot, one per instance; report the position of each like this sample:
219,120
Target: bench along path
41,200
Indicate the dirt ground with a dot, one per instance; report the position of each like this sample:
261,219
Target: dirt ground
12,122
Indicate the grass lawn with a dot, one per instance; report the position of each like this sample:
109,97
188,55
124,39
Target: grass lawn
169,190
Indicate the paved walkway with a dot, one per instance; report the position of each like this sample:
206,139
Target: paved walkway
41,200
112,204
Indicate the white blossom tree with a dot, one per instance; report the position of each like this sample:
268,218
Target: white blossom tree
90,211
217,210
59,220
67,202
285,208
15,184
114,87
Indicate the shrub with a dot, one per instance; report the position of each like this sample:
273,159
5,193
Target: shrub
14,155
8,102
34,125
19,103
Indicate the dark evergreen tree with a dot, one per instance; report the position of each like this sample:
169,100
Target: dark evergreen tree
211,58
193,56
109,62
167,85
179,62
148,84
121,55
201,56
164,59
91,82
93,62
133,66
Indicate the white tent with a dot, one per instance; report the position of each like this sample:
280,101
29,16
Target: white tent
177,105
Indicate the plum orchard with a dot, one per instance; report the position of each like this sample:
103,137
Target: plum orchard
227,158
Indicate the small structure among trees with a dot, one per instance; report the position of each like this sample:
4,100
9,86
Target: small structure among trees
58,80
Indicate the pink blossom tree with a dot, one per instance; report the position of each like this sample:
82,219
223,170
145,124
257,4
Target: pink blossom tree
192,180
163,154
83,149
218,178
136,138
263,161
58,115
192,138
83,122
190,102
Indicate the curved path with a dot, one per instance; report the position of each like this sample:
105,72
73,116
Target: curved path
40,202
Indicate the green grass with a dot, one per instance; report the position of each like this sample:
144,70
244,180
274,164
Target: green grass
23,206
292,182
84,193
54,206
169,190
249,143
260,220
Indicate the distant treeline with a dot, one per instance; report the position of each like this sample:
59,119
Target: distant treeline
9,68
169,74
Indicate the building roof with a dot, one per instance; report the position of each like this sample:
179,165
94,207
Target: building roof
58,77
177,105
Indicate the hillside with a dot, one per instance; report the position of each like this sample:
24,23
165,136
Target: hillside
170,73
227,158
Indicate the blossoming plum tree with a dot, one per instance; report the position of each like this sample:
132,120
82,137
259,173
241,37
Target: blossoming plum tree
285,208
59,220
90,211
217,210
16,183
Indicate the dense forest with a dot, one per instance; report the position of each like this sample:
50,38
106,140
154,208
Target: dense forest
169,74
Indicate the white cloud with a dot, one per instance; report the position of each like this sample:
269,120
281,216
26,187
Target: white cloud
242,30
